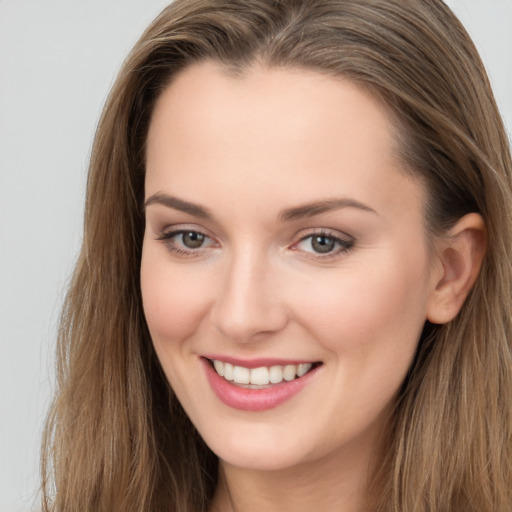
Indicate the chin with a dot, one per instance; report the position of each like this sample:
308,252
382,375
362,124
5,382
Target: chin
259,450
258,460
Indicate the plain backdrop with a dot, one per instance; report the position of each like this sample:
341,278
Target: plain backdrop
58,59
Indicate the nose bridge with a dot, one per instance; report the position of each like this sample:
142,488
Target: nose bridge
249,302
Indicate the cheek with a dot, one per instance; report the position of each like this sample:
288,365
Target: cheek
174,299
375,308
369,322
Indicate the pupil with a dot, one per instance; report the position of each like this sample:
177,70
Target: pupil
322,244
193,240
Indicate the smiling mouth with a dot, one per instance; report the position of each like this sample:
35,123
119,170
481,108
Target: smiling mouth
262,377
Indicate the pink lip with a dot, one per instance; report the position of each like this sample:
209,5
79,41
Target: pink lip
255,363
254,400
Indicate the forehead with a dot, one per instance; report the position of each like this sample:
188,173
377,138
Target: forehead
268,129
208,95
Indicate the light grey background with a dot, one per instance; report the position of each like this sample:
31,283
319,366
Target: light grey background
58,59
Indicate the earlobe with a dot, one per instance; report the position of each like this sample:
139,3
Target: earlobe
460,255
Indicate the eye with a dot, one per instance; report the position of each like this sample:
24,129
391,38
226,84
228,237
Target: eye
186,241
191,239
324,244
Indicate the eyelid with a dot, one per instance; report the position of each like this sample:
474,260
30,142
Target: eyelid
171,229
330,232
167,235
345,241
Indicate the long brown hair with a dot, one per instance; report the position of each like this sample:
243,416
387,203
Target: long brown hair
116,438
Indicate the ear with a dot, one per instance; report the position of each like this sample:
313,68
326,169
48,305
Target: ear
460,254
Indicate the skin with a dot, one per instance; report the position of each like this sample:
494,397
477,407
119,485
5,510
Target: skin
246,148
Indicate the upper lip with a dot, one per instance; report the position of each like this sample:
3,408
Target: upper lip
257,362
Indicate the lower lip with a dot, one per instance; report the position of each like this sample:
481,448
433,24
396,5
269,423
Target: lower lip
254,400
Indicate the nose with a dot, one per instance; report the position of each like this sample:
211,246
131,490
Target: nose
249,305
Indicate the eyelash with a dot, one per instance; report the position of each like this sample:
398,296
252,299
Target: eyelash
167,238
343,245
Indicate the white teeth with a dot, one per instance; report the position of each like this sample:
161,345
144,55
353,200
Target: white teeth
276,374
241,375
304,368
261,376
219,367
289,372
228,371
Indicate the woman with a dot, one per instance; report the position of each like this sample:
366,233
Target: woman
294,285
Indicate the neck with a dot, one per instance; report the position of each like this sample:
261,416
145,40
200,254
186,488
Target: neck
338,482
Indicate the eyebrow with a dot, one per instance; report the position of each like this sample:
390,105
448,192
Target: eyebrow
178,204
318,207
287,215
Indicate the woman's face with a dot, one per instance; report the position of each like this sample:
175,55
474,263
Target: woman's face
282,238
